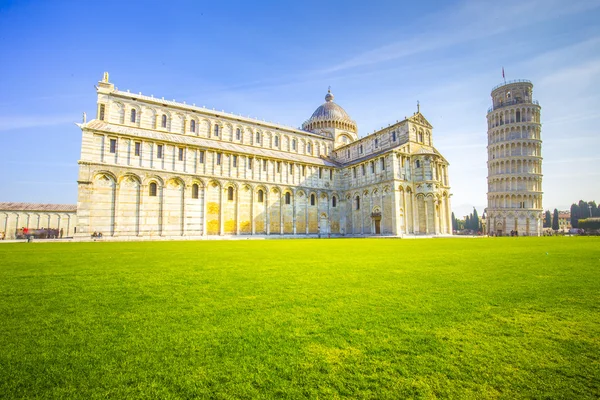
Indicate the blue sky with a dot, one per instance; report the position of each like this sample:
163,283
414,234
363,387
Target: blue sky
274,60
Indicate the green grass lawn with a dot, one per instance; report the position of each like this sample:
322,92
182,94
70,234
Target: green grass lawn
354,318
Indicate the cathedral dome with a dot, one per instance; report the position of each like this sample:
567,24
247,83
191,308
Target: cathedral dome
329,115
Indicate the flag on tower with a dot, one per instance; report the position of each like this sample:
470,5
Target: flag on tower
503,77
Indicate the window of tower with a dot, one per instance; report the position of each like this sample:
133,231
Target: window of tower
287,198
260,196
334,201
357,200
312,200
518,116
230,193
194,191
152,189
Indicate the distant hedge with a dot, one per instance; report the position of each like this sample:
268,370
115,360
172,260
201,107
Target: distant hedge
589,223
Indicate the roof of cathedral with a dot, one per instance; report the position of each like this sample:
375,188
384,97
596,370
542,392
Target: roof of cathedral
10,206
329,112
207,143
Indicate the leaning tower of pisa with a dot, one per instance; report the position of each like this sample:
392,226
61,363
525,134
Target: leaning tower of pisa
514,161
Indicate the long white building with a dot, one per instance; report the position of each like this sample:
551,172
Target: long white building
151,167
514,161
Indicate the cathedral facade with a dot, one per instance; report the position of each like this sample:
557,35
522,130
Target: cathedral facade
153,168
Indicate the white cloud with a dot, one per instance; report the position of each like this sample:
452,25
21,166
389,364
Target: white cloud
472,20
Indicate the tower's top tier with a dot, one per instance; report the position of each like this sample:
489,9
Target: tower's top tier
519,91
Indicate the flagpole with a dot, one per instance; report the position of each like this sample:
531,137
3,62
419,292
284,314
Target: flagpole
503,77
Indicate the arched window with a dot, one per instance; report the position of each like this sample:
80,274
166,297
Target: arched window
192,126
216,130
194,191
308,148
257,137
152,189
276,141
360,149
260,196
518,116
418,164
312,199
133,115
357,200
238,134
230,193
421,137
294,144
376,142
334,201
288,199
164,121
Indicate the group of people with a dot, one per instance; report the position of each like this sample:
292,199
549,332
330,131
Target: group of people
42,233
97,234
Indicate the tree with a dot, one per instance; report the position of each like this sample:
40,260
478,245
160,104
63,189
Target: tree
475,220
574,215
547,219
555,220
584,209
467,223
595,209
454,224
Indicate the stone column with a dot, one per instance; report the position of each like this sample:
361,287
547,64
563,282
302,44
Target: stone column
268,216
252,227
436,222
237,207
448,216
16,225
221,219
405,209
115,207
183,209
204,196
426,216
415,211
306,212
281,199
294,211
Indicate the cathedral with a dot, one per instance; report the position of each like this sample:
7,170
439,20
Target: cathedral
154,168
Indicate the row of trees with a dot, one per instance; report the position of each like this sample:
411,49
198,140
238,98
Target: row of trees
471,222
583,210
579,211
551,220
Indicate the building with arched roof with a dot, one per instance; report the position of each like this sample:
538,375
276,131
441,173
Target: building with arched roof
152,167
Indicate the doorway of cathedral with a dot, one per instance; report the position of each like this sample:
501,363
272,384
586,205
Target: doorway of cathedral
376,217
323,225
